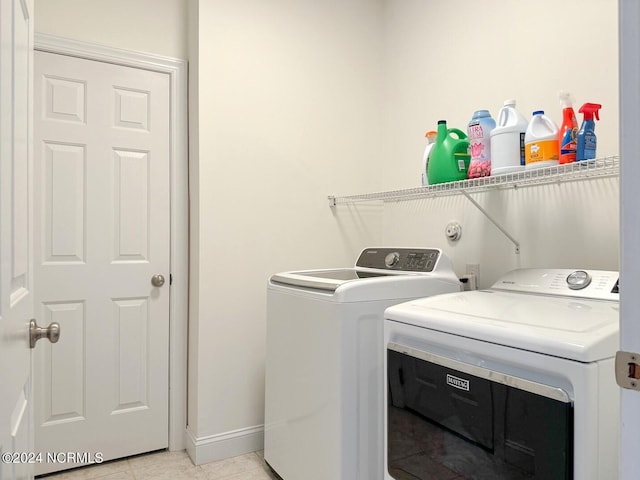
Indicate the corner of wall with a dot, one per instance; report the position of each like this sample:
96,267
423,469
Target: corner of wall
194,222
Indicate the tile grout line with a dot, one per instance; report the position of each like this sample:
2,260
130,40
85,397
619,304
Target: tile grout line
143,469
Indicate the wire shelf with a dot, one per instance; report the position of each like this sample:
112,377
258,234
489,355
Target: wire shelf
587,169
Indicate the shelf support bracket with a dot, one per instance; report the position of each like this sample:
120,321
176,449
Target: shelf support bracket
498,226
332,200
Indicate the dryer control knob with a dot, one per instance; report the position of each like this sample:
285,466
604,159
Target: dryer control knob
392,259
578,280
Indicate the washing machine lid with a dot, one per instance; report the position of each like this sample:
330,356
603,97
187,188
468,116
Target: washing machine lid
379,273
565,324
329,279
366,287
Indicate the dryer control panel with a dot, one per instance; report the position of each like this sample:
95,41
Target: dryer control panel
593,284
402,259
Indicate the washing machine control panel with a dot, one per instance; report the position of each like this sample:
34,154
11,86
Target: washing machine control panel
593,284
402,259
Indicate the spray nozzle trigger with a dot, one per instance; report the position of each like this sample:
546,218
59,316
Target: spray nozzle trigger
590,110
565,99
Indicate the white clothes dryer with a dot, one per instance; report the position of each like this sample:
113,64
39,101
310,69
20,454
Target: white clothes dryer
514,382
324,378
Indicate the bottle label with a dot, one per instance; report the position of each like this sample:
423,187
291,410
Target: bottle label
522,150
479,168
479,132
541,151
569,144
590,142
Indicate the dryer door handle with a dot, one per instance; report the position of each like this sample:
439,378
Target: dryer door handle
536,388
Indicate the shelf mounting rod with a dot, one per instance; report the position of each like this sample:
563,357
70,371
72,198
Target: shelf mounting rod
498,226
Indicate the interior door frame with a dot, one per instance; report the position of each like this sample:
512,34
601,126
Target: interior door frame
629,38
178,299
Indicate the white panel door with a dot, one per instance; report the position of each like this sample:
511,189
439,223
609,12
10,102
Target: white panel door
16,279
101,234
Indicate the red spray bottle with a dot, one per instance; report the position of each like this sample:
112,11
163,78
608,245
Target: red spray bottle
567,135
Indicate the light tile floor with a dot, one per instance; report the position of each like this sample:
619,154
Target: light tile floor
171,466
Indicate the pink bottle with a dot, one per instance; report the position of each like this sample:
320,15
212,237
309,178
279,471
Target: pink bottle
479,132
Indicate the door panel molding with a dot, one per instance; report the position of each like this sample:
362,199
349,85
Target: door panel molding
177,71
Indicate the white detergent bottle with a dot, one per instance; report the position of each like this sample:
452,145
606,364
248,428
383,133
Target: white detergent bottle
541,142
431,139
507,140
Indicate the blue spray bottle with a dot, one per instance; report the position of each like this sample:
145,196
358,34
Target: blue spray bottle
586,149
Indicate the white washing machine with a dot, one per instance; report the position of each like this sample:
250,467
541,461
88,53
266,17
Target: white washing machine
324,377
514,382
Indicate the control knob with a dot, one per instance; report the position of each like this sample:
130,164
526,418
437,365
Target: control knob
578,280
392,259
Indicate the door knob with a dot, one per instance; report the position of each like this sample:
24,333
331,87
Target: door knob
52,332
157,280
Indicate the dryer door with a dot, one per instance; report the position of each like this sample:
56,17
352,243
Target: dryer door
447,419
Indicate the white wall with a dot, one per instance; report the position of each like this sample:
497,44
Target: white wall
446,59
298,100
289,105
570,225
150,26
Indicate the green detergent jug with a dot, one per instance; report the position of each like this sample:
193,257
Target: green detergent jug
449,157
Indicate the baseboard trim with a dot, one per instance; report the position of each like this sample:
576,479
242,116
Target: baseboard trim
224,445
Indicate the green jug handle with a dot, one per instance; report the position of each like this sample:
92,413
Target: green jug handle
461,135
